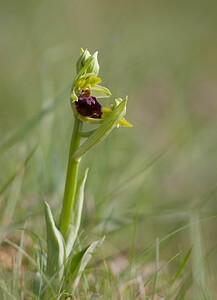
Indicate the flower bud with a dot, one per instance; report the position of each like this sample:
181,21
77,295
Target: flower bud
82,59
94,66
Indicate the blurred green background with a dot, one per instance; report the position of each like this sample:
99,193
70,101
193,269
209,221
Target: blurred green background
145,182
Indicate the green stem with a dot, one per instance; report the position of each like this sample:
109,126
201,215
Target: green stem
86,134
71,179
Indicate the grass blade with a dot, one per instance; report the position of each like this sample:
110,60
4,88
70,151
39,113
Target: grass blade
32,261
185,260
31,123
157,267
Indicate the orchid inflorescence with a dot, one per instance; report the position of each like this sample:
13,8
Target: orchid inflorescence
86,90
59,275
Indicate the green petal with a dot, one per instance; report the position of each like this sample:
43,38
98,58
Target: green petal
93,81
99,91
124,123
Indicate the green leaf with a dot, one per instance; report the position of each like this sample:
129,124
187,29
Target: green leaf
183,264
55,246
99,91
80,261
76,215
103,130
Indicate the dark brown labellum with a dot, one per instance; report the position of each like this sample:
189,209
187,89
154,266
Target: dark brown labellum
88,107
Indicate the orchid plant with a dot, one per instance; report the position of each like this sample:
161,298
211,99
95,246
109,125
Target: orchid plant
60,270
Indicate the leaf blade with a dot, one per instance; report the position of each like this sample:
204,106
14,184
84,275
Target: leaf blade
80,261
55,246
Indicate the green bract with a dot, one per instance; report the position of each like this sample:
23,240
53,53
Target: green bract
94,66
103,130
82,59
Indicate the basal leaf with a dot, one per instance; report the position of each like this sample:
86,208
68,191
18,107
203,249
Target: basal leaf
80,261
55,246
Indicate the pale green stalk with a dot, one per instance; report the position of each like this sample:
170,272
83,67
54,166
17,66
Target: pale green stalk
71,179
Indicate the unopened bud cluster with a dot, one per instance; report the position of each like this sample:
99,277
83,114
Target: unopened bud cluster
94,66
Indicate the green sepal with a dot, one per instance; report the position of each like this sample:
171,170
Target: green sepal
93,81
55,246
103,130
99,91
123,122
80,261
72,232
